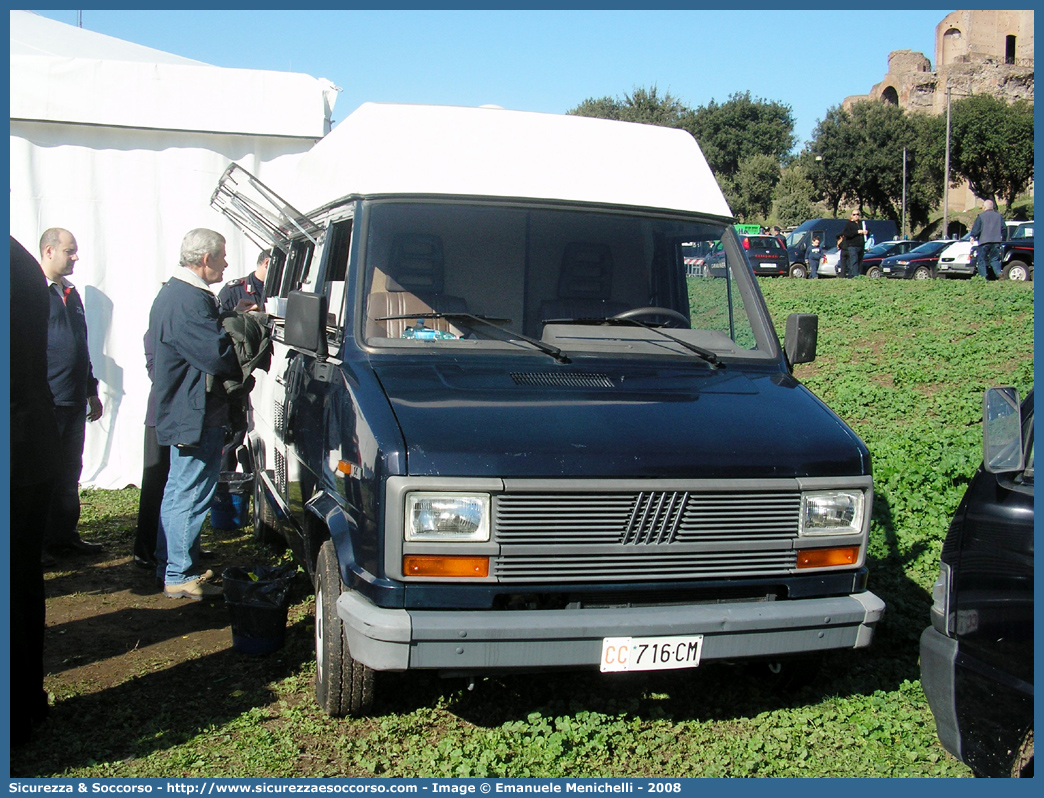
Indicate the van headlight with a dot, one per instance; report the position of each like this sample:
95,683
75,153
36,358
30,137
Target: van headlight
447,517
832,512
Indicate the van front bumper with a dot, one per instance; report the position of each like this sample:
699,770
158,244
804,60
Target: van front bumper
488,640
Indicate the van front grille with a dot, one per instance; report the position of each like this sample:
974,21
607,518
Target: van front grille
645,535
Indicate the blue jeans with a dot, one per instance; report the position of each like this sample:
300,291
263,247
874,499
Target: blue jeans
191,484
989,254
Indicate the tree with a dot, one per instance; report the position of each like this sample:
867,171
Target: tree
749,192
641,105
729,133
792,196
856,157
991,146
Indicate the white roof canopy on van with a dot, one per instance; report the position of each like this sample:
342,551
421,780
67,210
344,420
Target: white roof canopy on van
419,149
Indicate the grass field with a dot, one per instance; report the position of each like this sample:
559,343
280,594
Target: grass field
904,363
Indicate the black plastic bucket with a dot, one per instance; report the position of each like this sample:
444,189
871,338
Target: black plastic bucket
258,599
230,508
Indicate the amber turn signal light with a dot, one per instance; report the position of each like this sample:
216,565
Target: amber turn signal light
428,565
823,558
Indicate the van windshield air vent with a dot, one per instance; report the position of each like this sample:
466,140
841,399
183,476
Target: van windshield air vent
555,379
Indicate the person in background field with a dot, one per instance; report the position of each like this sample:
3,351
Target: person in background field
778,233
34,464
988,231
75,392
852,243
190,344
814,256
250,287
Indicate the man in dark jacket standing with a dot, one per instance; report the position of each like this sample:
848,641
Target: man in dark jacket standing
988,231
190,344
852,243
74,388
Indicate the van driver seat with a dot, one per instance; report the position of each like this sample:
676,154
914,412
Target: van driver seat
414,283
585,284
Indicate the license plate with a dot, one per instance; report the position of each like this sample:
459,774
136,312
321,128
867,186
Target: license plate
887,269
650,653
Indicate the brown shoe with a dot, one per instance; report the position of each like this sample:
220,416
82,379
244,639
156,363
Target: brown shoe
198,589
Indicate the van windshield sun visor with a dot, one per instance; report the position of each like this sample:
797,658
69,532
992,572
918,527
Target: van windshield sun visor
261,214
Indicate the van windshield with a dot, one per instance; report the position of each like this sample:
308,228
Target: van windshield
457,277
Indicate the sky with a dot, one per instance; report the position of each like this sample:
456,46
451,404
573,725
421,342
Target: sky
546,61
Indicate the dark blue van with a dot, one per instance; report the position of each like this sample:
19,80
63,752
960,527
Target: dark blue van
504,430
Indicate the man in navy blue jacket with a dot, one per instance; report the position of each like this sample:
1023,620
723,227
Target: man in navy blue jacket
189,344
74,388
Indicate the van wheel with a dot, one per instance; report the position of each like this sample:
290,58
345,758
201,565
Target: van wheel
266,532
922,273
342,685
874,272
798,270
1022,767
1016,270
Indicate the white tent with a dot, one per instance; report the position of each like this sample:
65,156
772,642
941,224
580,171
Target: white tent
123,145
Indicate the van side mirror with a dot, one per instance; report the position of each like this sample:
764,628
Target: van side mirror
800,340
1001,430
306,322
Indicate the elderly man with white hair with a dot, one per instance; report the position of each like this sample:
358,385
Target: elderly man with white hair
188,344
988,231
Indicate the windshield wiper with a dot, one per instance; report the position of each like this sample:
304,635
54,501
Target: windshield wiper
712,359
501,332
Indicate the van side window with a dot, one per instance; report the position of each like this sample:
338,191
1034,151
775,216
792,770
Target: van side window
299,272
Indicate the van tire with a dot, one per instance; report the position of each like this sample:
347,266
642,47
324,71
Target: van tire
798,270
342,685
1015,270
266,530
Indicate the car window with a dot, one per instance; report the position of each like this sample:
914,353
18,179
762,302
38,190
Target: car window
765,242
1023,231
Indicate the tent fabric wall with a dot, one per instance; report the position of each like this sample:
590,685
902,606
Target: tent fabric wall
129,193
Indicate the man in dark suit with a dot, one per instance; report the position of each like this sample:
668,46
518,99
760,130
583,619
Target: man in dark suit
74,388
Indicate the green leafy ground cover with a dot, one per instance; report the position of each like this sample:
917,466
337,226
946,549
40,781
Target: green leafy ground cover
904,363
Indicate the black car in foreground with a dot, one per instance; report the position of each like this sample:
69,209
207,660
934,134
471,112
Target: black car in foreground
917,264
977,656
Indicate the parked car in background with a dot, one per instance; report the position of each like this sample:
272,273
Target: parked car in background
955,260
800,238
872,258
829,263
917,264
1016,255
977,656
767,255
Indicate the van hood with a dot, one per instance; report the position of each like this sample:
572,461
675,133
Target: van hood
541,420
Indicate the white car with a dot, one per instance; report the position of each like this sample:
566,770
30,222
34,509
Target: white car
828,265
955,260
